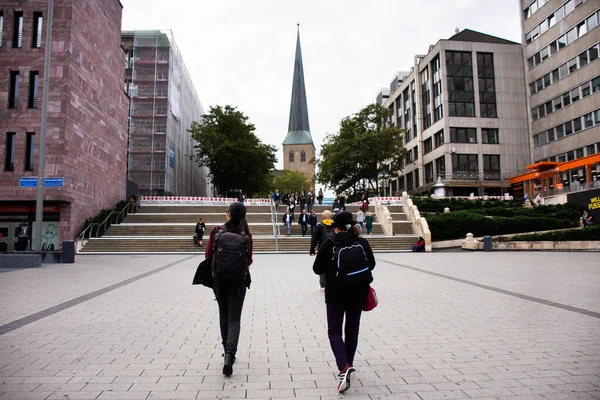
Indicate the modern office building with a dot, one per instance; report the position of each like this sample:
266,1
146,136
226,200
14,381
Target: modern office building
164,103
86,136
561,42
463,110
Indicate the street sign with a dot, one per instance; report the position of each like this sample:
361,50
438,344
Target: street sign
48,182
53,182
27,182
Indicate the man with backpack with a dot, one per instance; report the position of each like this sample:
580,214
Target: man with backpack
229,250
323,231
347,260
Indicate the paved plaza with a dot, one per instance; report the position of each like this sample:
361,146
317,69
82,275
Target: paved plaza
449,326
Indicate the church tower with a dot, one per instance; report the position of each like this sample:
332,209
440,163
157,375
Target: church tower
298,146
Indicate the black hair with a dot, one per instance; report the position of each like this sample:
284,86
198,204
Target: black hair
237,223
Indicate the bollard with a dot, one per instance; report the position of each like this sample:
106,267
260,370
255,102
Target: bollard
68,251
487,243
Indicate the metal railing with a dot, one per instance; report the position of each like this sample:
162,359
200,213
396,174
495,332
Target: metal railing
275,224
114,217
573,187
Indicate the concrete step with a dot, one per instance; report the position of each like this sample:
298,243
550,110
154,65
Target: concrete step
381,243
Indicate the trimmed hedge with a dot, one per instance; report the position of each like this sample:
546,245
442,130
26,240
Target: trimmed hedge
455,225
591,233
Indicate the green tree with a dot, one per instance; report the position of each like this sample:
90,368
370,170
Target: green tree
291,181
363,148
236,158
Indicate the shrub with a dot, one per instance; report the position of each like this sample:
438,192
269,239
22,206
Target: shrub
591,233
456,225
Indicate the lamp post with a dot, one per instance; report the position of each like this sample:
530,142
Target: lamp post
384,176
39,204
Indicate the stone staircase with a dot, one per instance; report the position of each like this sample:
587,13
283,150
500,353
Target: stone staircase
169,229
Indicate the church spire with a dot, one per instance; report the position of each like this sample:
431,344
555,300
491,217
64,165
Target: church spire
298,127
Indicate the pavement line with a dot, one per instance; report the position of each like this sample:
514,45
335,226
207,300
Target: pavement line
19,323
503,291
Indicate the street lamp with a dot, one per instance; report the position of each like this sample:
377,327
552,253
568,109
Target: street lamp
39,204
385,177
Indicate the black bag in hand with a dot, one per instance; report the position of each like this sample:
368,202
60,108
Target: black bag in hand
203,274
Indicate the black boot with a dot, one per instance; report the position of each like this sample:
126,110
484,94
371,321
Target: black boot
228,365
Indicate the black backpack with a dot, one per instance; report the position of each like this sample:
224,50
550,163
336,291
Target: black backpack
352,266
230,255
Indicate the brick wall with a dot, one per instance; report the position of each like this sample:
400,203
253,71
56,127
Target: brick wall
86,139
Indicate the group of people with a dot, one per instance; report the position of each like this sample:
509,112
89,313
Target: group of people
303,199
346,278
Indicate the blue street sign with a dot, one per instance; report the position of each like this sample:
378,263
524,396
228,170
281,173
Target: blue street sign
53,182
27,182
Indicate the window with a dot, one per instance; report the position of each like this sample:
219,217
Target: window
551,136
568,128
489,136
577,124
425,98
586,89
487,90
593,52
291,156
579,152
29,151
438,138
583,59
409,181
1,26
33,89
438,112
574,95
428,146
18,30
491,167
560,132
13,91
596,84
555,75
440,166
558,103
461,99
36,40
567,99
562,42
592,22
429,176
464,166
571,35
302,156
9,158
589,120
416,152
417,181
463,135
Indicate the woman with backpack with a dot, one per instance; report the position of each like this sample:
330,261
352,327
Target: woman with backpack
347,260
231,276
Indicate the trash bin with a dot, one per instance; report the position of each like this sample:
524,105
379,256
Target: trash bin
68,251
487,243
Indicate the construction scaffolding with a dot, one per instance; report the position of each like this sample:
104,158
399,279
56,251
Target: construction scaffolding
163,104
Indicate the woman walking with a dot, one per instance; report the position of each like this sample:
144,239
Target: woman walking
347,260
200,228
230,251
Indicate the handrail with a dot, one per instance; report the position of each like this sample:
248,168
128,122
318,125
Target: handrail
275,226
114,217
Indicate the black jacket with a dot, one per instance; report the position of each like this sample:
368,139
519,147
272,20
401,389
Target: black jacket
324,264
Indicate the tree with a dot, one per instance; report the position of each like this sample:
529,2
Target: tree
363,148
236,158
291,181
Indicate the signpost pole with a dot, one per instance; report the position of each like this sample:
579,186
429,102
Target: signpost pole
39,204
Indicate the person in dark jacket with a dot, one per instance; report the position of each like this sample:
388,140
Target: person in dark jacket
312,221
230,294
303,221
342,302
322,232
200,228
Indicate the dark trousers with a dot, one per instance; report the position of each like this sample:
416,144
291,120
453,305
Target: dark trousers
230,296
304,228
343,348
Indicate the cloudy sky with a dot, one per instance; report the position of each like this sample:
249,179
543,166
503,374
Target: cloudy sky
241,52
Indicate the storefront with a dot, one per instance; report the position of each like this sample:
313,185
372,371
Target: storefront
14,215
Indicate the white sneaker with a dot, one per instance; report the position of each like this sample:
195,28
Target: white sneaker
344,380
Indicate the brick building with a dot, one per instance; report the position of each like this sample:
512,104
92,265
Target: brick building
86,137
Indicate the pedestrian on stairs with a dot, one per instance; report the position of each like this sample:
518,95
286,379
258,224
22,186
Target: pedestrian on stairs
200,228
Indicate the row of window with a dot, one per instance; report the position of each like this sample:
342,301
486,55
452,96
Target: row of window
576,125
302,156
575,154
533,7
566,69
552,19
17,29
567,98
572,35
13,89
10,151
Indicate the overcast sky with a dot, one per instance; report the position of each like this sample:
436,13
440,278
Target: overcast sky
241,52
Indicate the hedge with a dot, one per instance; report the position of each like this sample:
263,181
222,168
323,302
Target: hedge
455,225
591,233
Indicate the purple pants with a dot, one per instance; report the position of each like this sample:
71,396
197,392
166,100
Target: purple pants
343,350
